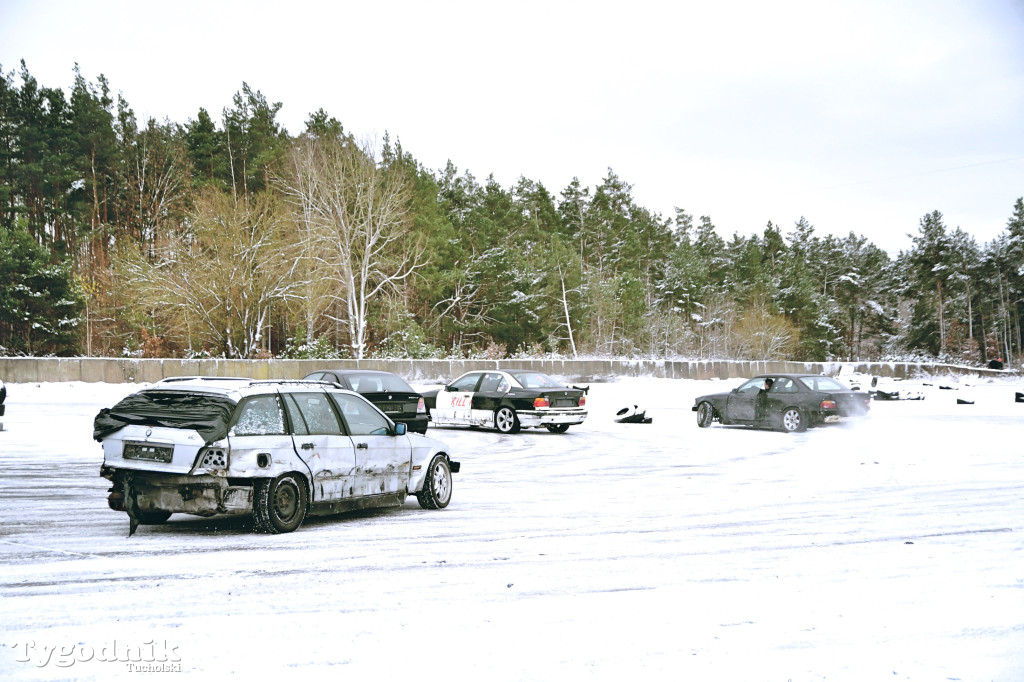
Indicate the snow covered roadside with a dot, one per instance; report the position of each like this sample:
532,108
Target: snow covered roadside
889,547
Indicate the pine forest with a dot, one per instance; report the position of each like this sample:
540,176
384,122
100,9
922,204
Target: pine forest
225,236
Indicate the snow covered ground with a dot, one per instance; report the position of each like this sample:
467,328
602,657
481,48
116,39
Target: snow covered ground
890,548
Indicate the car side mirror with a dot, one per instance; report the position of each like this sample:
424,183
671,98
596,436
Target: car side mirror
449,388
400,429
735,390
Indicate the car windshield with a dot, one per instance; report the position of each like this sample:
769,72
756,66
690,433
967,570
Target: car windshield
535,380
823,384
207,414
378,383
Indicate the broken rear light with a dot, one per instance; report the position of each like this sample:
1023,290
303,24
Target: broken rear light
541,402
213,459
829,405
583,400
421,407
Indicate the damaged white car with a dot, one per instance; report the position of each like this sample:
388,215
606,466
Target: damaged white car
278,450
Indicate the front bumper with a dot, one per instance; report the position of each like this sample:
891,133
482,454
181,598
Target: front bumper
537,418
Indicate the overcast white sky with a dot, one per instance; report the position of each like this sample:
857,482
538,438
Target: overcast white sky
861,116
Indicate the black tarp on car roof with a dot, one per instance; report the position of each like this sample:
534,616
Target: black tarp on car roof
207,414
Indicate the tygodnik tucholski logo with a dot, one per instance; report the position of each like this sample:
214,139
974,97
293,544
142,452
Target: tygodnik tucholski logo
149,656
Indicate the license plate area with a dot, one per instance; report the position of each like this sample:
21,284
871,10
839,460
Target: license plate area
563,402
150,452
831,418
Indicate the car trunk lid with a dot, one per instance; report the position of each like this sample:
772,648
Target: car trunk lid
157,449
563,398
852,403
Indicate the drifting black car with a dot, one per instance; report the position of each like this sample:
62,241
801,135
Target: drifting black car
389,392
788,402
508,400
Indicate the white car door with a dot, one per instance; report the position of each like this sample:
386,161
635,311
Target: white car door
383,460
321,443
454,402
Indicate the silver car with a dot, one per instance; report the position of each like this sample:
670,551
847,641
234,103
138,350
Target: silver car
277,450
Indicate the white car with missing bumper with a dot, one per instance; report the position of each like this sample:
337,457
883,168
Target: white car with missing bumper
277,450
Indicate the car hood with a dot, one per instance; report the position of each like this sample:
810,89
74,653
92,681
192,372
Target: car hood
711,397
420,441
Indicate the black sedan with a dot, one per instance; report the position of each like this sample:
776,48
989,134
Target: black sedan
788,402
389,392
508,400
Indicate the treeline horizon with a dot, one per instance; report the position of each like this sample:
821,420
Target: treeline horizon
225,236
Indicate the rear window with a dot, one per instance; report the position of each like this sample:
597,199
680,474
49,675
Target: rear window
823,384
207,414
378,383
536,380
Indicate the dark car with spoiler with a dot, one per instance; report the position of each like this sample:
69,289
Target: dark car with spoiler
508,400
787,402
275,450
395,398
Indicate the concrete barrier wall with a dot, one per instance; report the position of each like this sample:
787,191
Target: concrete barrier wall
119,370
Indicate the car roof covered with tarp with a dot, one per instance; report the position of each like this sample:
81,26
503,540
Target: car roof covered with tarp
206,413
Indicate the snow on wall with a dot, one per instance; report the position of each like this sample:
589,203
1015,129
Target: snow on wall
121,370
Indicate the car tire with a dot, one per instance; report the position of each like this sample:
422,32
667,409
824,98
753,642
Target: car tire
279,504
558,428
705,415
792,420
437,486
152,518
506,420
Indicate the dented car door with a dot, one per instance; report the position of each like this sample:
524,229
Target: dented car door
321,443
383,459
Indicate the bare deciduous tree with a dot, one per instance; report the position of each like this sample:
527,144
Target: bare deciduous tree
356,217
762,335
218,281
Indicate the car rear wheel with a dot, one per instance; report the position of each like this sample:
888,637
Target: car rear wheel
705,415
792,420
558,428
506,421
437,487
279,504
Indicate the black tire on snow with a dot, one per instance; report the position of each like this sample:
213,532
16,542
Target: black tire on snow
279,504
506,420
558,428
705,415
152,518
437,486
792,420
